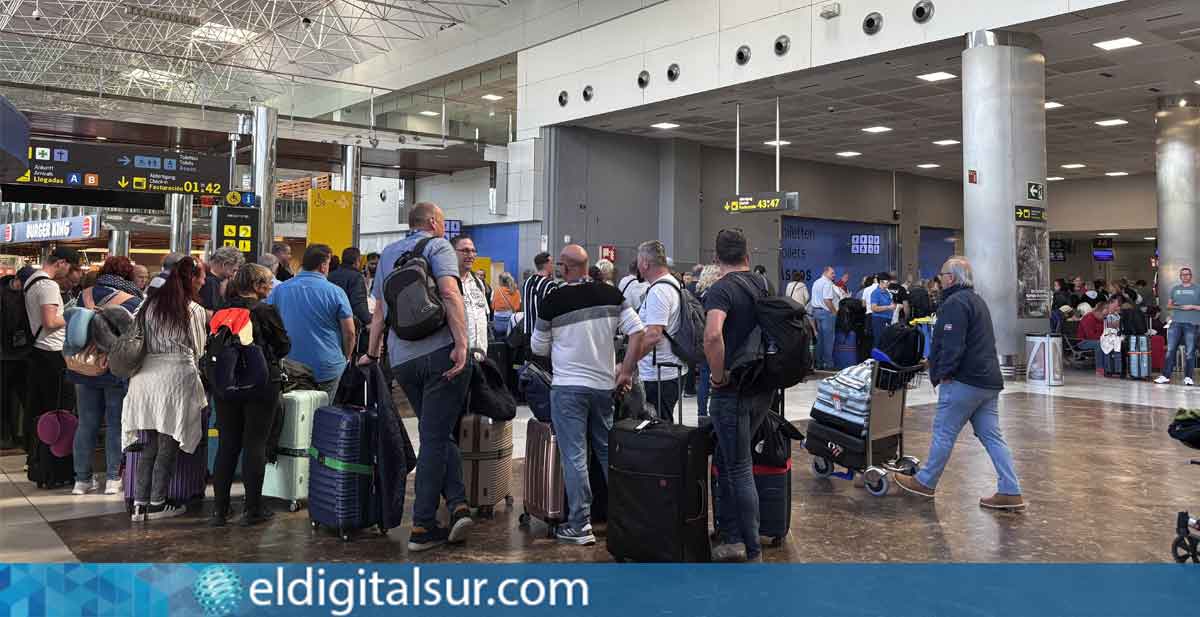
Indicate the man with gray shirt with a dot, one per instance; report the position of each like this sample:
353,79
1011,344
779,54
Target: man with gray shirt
822,304
434,374
1184,305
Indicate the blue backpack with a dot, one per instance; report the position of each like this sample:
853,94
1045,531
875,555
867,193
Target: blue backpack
233,369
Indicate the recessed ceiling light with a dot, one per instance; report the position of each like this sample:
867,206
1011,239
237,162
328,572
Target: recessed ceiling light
664,125
928,165
1055,178
1198,82
1150,238
783,142
946,142
1053,104
492,97
1113,122
430,113
1120,43
876,129
938,76
849,154
1117,174
101,138
1074,166
1108,234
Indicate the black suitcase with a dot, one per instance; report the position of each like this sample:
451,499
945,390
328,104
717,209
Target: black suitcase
841,424
841,448
47,470
774,486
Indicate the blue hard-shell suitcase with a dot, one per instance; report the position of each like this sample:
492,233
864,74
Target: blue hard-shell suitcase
845,350
342,492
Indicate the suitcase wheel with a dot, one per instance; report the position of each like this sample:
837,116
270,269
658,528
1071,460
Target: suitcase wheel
293,506
315,525
383,531
876,481
822,466
508,500
523,520
344,535
1183,549
909,465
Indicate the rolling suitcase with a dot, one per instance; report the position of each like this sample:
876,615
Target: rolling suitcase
341,490
1139,357
845,350
486,447
1113,365
191,472
287,478
49,471
658,491
1158,352
544,489
774,487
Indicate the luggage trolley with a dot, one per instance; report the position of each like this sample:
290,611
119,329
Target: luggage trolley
881,449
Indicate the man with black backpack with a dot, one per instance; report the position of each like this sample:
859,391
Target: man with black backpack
420,302
46,331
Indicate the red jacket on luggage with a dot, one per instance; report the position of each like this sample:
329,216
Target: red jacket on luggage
1090,327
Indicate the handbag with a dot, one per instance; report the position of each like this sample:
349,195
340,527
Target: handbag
125,357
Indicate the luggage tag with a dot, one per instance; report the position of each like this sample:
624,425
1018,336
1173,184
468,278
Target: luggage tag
643,424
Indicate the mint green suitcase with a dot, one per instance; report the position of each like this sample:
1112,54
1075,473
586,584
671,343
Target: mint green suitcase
287,478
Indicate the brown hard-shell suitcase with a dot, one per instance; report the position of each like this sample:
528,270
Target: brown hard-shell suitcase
545,490
486,447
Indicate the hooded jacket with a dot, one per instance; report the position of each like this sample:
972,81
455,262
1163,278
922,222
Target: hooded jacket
964,343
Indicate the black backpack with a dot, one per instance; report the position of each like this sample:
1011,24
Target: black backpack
414,305
16,335
920,302
1186,427
1134,322
778,352
688,341
851,316
233,371
903,345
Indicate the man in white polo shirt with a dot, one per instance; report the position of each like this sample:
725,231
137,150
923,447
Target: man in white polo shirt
823,306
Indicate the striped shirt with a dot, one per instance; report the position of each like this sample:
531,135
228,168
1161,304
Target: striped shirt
576,327
533,293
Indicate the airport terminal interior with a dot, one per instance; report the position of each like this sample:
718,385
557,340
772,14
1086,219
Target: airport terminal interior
1055,144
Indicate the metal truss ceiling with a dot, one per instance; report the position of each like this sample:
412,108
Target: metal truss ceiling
215,52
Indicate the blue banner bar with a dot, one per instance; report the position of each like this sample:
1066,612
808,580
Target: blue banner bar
601,590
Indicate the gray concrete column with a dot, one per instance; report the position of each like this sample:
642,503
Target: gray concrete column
266,121
118,243
1004,144
1178,127
352,182
179,206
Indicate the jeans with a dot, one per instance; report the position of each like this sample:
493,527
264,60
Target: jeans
1185,333
155,468
731,418
879,325
577,411
1095,347
825,335
703,387
957,404
96,402
328,387
244,427
438,403
669,390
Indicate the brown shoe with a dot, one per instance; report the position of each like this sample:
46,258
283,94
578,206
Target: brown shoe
1003,502
912,485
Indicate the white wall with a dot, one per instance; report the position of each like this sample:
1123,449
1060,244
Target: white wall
1103,204
703,36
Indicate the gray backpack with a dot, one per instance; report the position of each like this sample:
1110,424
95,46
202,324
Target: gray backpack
415,309
688,341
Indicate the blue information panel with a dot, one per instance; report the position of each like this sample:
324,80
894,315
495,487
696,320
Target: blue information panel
808,245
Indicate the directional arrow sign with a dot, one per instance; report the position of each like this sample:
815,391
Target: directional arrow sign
124,161
122,182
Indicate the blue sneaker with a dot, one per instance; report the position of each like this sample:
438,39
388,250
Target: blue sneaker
582,537
423,539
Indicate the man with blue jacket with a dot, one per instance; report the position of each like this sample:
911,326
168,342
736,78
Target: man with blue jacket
963,362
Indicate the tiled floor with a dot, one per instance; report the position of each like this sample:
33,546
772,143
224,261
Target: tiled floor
1102,477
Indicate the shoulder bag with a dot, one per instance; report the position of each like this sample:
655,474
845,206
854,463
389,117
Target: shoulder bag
125,357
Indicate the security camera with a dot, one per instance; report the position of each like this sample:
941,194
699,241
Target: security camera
831,109
306,21
374,141
37,14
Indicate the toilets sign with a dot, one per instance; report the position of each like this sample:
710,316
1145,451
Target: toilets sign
74,228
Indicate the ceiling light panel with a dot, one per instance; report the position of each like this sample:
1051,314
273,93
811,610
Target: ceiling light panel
1112,122
664,126
938,76
1108,234
492,97
1053,105
1117,174
876,129
1074,166
849,154
946,142
1121,43
430,113
1055,178
928,165
782,142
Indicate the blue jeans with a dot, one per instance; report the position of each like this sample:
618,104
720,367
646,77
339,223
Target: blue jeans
96,402
1095,347
879,325
731,420
825,335
703,385
437,403
1186,332
957,404
571,408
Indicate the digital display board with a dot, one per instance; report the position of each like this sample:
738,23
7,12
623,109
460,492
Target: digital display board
116,167
763,202
237,227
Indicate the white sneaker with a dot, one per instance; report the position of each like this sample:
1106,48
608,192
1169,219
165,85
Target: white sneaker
83,488
1162,379
113,487
1187,381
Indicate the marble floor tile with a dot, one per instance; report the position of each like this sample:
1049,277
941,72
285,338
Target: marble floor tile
32,543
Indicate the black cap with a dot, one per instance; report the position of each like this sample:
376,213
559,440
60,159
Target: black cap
68,254
24,273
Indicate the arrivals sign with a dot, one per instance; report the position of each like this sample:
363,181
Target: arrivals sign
763,202
236,227
71,165
74,228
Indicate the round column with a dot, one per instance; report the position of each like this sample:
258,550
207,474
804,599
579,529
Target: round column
266,121
179,206
118,243
352,182
1178,153
1004,150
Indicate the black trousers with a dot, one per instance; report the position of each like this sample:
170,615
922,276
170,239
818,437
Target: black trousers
47,390
12,403
670,398
244,427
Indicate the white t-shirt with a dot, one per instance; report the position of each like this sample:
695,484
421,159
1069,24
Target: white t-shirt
633,290
475,300
37,294
866,297
798,291
661,308
823,289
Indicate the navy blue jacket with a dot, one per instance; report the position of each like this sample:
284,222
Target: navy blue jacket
964,345
355,285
